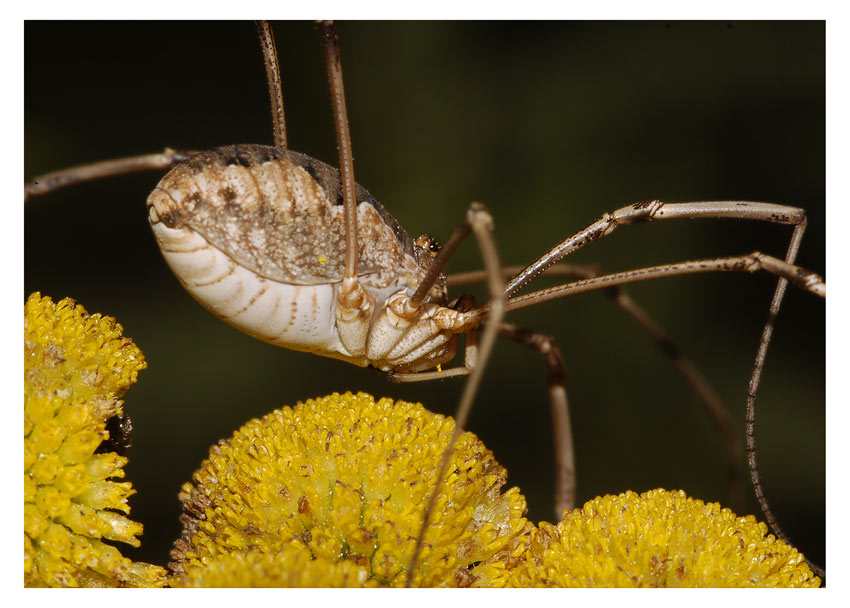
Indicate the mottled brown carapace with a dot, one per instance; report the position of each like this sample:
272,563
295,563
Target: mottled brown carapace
279,213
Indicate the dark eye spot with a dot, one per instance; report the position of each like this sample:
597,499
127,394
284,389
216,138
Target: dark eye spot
426,243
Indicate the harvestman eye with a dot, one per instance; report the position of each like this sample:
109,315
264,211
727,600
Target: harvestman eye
294,252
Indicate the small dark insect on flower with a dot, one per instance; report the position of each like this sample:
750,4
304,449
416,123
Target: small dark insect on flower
120,428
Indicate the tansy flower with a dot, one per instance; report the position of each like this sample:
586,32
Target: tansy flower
76,368
335,488
657,539
293,566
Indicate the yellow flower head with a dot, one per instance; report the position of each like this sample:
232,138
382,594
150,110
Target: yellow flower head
343,481
293,566
76,368
657,539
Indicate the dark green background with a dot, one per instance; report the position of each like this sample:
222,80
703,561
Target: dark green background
549,124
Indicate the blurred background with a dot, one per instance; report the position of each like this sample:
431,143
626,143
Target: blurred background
548,124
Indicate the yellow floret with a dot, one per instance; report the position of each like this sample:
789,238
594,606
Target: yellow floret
76,368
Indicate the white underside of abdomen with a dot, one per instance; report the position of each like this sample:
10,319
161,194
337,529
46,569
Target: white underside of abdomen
299,317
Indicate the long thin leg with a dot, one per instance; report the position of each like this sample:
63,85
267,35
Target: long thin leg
752,262
273,77
714,406
481,224
562,270
330,43
755,379
354,305
646,211
565,468
350,295
51,182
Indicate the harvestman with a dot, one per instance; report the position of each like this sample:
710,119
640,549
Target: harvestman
384,303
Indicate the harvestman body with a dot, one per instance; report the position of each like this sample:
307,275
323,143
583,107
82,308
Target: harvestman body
293,252
256,235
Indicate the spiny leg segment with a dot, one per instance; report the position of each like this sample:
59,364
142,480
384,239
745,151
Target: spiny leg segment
330,43
755,379
264,31
654,210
